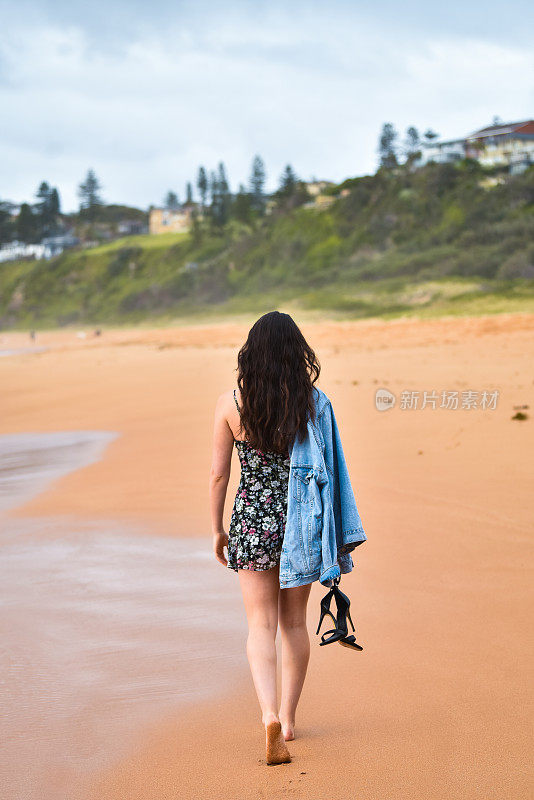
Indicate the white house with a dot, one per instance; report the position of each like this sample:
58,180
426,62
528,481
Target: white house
442,152
46,248
12,251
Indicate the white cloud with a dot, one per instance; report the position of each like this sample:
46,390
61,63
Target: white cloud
313,91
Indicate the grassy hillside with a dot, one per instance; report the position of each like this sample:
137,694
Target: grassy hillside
439,240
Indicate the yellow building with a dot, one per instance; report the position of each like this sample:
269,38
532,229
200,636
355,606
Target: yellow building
316,188
166,220
324,201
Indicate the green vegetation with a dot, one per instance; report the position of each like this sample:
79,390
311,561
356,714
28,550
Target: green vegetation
439,240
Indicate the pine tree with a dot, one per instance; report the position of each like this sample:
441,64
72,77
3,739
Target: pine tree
224,200
47,208
219,196
89,193
412,144
202,185
189,194
213,197
257,183
387,146
242,208
288,182
6,223
26,225
213,189
43,201
171,201
55,203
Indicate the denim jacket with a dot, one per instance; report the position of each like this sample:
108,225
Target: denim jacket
323,525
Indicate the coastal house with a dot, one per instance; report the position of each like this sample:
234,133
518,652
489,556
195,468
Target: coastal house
442,152
316,191
503,144
131,227
315,188
55,245
47,248
167,220
15,251
323,201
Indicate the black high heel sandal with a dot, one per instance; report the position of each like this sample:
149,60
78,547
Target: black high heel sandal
325,609
340,632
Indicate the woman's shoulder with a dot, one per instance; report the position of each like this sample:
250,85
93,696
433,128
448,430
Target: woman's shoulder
227,400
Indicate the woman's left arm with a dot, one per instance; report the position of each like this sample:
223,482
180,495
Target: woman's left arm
223,441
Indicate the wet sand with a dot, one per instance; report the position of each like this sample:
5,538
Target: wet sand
29,462
437,704
104,627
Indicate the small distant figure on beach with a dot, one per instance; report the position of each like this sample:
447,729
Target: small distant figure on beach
97,332
33,336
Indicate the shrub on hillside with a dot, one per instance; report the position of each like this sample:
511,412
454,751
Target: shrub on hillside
518,265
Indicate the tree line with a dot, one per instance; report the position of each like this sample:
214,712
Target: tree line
215,202
36,221
218,205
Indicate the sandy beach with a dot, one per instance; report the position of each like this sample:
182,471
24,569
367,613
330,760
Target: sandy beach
155,697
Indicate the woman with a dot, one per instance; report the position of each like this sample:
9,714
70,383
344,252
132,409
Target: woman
276,373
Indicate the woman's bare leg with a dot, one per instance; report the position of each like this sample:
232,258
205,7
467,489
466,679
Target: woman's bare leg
295,652
260,591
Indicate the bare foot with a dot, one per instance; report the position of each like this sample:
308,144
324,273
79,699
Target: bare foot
277,752
288,730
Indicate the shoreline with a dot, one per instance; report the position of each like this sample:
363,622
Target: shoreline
104,631
439,591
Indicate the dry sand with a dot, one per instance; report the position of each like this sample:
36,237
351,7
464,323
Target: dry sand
437,704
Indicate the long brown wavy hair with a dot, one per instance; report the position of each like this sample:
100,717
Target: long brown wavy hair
276,371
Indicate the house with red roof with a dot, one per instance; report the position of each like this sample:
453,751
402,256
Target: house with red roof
503,144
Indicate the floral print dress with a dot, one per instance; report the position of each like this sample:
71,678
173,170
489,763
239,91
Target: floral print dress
256,530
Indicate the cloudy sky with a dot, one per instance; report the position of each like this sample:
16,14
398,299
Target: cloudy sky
145,92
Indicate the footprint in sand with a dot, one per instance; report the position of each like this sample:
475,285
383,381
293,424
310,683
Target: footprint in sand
277,752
